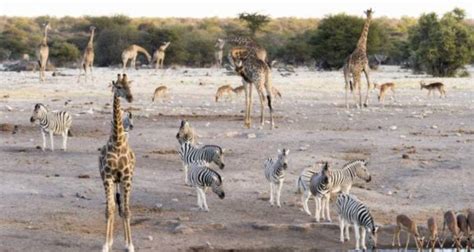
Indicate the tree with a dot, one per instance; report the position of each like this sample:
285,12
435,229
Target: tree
254,21
337,36
441,47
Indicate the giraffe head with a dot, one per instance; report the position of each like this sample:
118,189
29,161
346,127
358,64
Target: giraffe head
219,43
92,28
39,112
369,13
121,87
239,54
47,26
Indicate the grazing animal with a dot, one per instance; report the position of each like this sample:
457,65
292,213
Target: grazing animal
131,53
225,90
116,166
209,153
339,181
463,226
450,220
304,183
434,86
470,221
357,63
404,223
42,53
186,133
201,177
274,170
433,231
254,72
88,57
160,92
238,90
352,211
52,123
159,55
219,52
384,88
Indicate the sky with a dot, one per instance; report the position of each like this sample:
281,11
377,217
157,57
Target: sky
229,8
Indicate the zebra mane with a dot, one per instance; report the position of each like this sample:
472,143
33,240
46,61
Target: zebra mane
353,162
212,145
38,105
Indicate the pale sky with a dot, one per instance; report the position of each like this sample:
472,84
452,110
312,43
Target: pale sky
229,8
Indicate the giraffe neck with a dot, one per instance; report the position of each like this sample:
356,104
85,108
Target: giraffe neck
118,133
45,38
362,43
91,40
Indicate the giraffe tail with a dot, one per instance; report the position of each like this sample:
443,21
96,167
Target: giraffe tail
118,202
351,86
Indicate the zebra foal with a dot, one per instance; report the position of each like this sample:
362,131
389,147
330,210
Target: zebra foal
202,177
52,123
274,170
208,153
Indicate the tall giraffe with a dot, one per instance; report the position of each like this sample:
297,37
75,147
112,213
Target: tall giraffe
116,166
356,63
159,55
253,71
131,53
251,46
219,51
88,57
42,53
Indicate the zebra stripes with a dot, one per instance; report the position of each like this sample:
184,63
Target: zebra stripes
352,211
201,177
303,186
274,170
209,153
127,121
52,123
338,181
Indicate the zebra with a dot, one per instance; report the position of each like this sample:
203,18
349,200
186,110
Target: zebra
127,120
338,181
186,133
352,211
304,182
52,123
209,153
274,170
201,177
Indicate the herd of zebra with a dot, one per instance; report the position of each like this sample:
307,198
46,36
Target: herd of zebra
318,182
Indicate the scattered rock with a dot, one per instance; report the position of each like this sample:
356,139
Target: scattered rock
8,108
458,134
81,196
150,238
158,206
231,134
251,135
182,229
389,193
434,127
183,218
405,156
264,227
300,227
263,196
84,176
175,200
393,127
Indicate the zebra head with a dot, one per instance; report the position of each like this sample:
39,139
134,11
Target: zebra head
127,120
185,133
361,170
217,186
283,158
39,112
373,235
121,87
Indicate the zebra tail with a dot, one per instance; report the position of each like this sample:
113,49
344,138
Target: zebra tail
299,185
69,133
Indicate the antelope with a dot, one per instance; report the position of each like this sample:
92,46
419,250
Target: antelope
238,90
470,226
463,226
160,92
451,221
384,88
433,231
226,90
432,86
406,224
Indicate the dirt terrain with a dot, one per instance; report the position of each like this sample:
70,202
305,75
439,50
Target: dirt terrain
420,153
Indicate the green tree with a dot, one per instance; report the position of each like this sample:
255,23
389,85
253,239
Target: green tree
254,21
337,36
441,47
62,52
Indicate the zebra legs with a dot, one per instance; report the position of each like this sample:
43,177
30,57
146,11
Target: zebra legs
185,167
305,198
357,236
65,140
317,208
202,199
271,194
326,205
362,238
341,229
109,215
52,140
278,193
43,134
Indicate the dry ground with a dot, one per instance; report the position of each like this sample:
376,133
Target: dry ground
55,201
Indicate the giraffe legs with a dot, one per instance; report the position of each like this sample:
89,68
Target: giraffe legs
367,77
305,198
248,103
356,87
262,108
109,214
126,188
347,83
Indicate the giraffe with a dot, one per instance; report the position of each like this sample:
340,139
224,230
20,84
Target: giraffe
249,44
116,166
219,51
131,53
42,53
88,58
159,55
356,63
253,71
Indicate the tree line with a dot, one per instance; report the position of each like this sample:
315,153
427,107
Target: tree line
438,45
